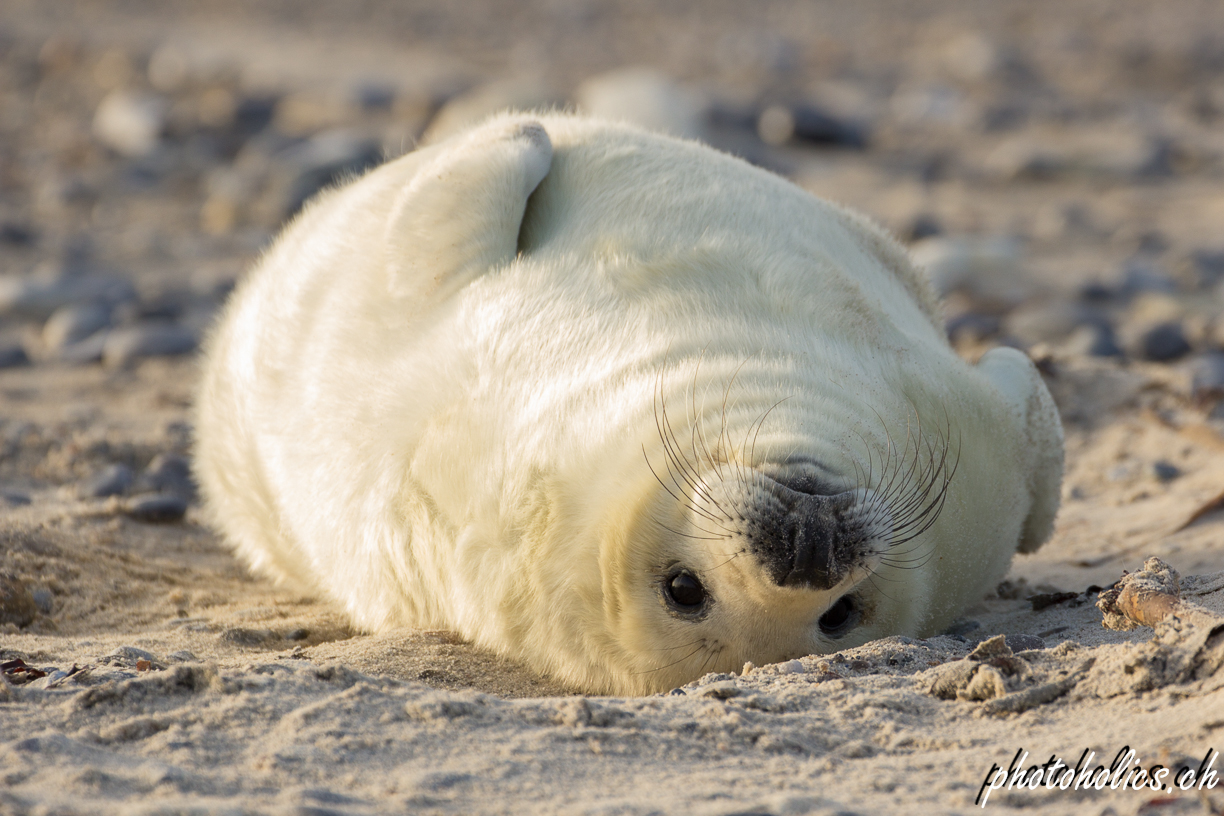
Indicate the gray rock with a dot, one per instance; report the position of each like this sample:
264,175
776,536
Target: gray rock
170,473
44,600
809,124
1164,342
39,296
130,343
127,656
1094,340
157,508
85,351
14,498
644,97
1047,322
1022,643
13,356
113,480
17,605
972,325
130,123
324,160
71,324
1165,471
1207,376
987,269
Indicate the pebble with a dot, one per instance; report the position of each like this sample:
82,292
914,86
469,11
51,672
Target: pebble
803,122
322,161
39,296
1164,342
1207,376
642,97
113,480
1094,340
988,269
44,600
722,690
1047,322
85,351
972,326
170,473
125,345
1023,643
127,656
130,123
157,508
13,356
14,498
182,656
17,605
1165,471
71,324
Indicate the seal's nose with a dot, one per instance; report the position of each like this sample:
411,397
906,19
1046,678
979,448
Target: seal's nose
804,540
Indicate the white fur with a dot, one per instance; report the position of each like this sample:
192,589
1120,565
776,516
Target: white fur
437,402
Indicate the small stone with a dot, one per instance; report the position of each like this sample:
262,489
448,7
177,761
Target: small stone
15,234
130,123
1164,342
44,600
40,295
170,473
127,656
14,498
113,480
85,351
182,656
157,508
643,97
241,636
322,161
17,605
791,667
803,122
125,345
972,326
923,225
1024,643
1048,322
1207,376
71,324
722,690
987,269
13,356
1165,471
1094,340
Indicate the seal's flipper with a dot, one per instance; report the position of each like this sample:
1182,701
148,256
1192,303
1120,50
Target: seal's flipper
1017,379
461,213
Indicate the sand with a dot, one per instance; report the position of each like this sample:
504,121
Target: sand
174,682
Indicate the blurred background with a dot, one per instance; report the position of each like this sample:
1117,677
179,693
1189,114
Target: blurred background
1056,165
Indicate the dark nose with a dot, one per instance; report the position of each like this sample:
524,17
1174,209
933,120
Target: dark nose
801,539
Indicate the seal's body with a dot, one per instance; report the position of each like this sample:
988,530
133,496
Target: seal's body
617,405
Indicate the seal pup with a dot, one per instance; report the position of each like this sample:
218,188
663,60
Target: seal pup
616,405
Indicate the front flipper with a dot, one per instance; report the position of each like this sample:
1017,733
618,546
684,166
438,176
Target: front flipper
461,213
1017,379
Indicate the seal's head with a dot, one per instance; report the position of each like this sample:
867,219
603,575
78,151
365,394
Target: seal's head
618,405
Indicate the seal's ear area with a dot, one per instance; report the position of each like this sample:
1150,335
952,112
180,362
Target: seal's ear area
1041,443
460,214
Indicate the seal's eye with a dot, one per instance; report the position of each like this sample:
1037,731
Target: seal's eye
685,591
840,618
